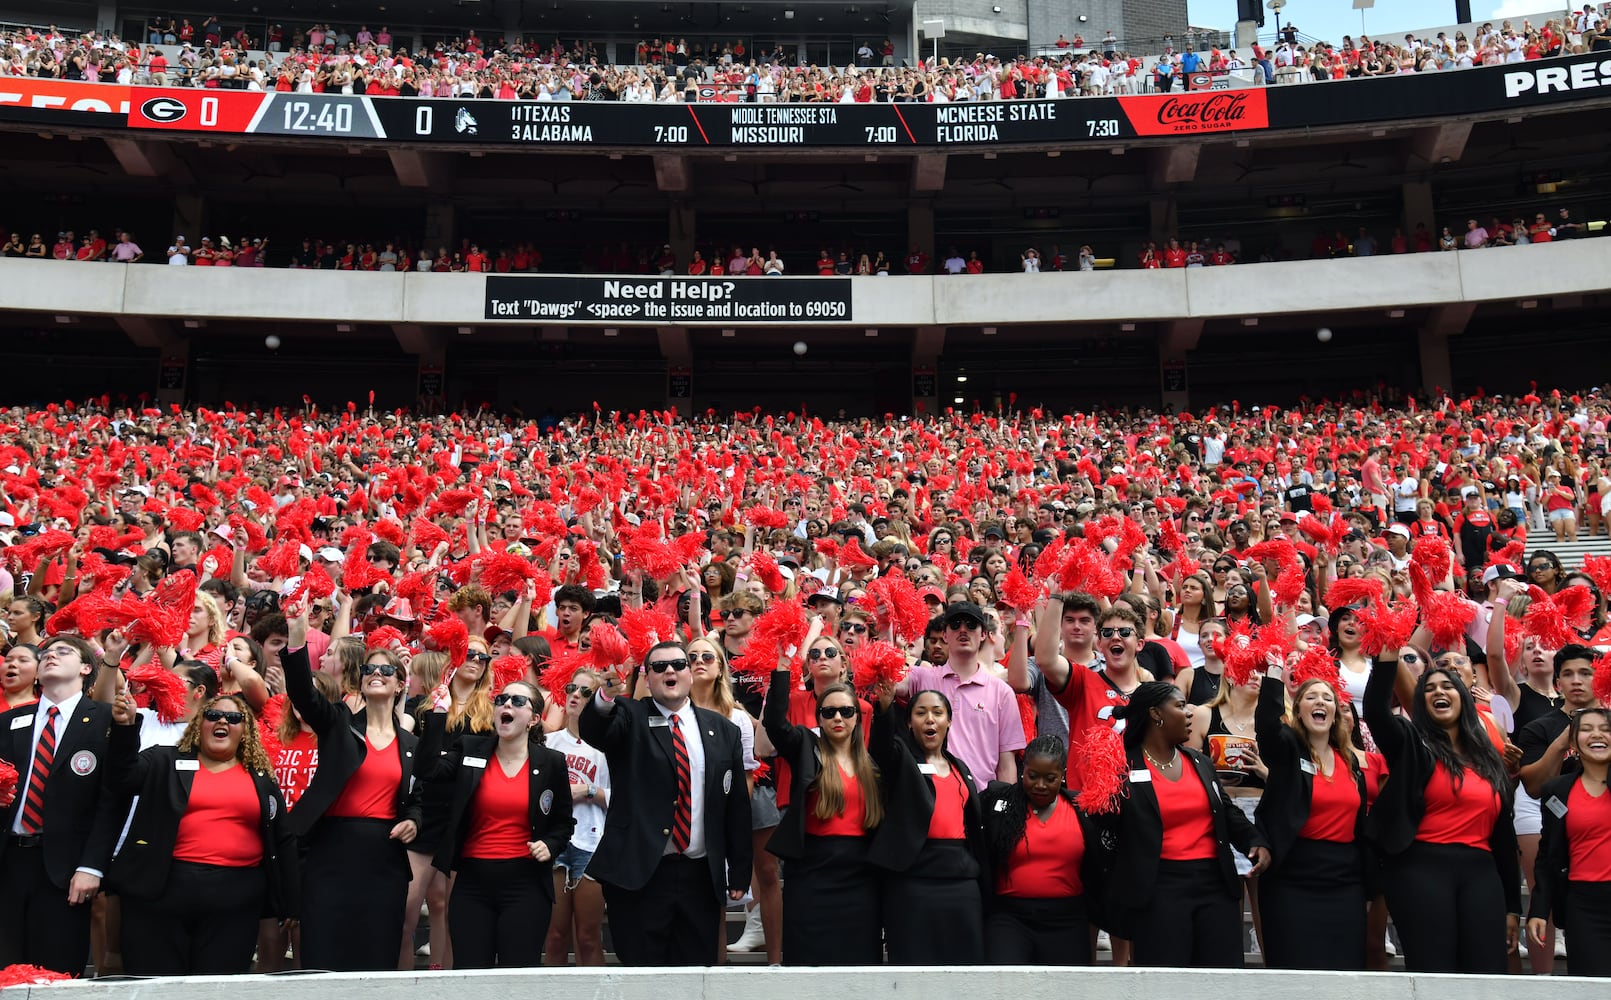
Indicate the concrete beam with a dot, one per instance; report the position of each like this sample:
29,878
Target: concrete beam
1174,164
671,173
144,331
416,169
1441,143
415,338
674,344
928,173
1450,319
142,158
1179,337
928,343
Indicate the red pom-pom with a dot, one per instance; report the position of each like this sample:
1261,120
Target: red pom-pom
896,605
874,663
1102,769
501,571
689,548
644,627
766,517
8,783
355,538
1019,592
1087,569
1050,559
359,575
282,561
1386,627
1317,663
766,570
165,689
1599,569
427,534
392,531
852,556
508,669
29,975
383,638
1602,679
450,502
1029,715
416,589
1552,620
778,632
1433,556
315,583
1447,615
608,649
449,636
268,726
828,547
1343,593
561,670
653,557
1289,576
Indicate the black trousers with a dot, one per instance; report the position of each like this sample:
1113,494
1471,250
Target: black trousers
37,926
1588,919
672,920
204,923
1449,908
1190,921
1314,908
1037,932
354,887
498,913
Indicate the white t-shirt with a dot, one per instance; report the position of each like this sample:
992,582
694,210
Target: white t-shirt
585,764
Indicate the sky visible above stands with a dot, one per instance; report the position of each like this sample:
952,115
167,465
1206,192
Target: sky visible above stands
1389,19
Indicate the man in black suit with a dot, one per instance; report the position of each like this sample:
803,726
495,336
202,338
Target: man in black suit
678,843
60,827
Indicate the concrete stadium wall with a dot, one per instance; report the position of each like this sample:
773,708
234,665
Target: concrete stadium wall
836,984
1530,272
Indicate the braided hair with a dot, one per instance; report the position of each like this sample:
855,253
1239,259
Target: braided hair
1013,805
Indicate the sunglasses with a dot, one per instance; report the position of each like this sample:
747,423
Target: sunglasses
1124,632
479,657
702,657
663,666
513,700
961,623
582,689
219,715
854,628
826,653
728,616
383,669
836,712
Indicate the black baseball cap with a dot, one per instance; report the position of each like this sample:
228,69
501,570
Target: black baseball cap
964,610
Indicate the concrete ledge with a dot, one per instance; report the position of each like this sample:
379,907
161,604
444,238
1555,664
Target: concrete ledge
1430,279
835,984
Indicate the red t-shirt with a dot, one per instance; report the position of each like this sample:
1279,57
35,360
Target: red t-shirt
1188,823
1588,832
294,764
1333,807
1045,864
848,823
803,712
1089,700
220,824
371,792
950,796
500,819
1463,815
1375,774
1174,257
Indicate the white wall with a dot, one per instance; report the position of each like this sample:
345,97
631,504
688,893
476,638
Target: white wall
1530,272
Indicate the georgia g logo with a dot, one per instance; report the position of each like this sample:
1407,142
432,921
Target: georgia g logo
163,110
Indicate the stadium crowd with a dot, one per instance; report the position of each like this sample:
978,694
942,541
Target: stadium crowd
956,689
323,59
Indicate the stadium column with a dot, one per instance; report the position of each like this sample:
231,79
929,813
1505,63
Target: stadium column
679,354
682,232
173,353
1174,342
1445,321
927,346
189,218
920,227
429,346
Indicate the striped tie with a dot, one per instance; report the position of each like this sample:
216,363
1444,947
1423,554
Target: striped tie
33,806
682,819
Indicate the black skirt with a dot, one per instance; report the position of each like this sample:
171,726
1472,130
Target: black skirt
933,912
1313,908
354,887
1587,915
831,905
1046,931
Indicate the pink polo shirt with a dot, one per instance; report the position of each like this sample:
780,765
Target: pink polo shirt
985,721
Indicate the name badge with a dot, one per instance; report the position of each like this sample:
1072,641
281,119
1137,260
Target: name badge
475,762
187,765
1556,806
22,722
1307,766
659,722
1140,775
926,769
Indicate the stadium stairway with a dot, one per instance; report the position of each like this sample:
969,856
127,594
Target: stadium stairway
1570,553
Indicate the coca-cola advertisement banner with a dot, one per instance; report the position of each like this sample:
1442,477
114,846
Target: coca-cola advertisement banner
1497,91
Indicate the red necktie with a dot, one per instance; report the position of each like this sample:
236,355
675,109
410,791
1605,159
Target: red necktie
682,819
33,806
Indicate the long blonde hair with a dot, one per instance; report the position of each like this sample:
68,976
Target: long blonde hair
474,713
722,701
250,751
830,783
1338,737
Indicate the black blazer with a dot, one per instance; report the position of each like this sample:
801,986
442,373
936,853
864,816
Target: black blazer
1284,807
454,764
643,784
1552,874
162,777
797,745
909,801
1136,833
1093,866
81,819
1396,817
341,748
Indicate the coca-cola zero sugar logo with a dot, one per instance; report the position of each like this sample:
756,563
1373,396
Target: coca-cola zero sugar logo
1187,114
